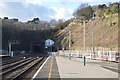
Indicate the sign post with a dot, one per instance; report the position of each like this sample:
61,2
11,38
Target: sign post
69,56
10,46
84,61
49,43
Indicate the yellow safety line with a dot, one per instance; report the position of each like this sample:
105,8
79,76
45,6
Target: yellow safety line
49,75
113,68
109,67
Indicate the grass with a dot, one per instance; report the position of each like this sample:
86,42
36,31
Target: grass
112,19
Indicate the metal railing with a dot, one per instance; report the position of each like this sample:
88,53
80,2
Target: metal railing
99,55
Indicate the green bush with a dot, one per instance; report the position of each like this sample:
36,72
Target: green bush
114,9
107,12
101,13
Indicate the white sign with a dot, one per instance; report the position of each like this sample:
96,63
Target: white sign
49,42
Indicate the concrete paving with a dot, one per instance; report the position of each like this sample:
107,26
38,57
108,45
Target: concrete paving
49,70
75,69
105,64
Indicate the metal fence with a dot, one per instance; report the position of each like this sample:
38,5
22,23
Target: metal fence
100,55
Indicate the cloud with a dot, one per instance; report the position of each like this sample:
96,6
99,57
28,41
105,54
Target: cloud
62,13
23,13
34,2
3,5
28,9
37,1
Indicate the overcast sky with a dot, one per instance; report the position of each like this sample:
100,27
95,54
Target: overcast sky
46,10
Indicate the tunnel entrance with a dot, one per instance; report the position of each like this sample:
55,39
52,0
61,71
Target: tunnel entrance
36,49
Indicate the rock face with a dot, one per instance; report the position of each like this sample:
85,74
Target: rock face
105,35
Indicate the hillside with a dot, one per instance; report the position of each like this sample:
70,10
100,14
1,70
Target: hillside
108,27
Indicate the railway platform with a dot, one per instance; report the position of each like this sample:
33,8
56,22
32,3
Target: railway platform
62,68
2,56
48,70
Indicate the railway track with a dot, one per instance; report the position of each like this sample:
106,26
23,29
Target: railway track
9,61
15,70
6,67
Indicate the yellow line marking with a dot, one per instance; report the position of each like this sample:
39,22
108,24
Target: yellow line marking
49,75
108,67
113,68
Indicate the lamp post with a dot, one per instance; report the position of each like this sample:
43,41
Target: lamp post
84,37
84,43
69,37
69,42
84,30
93,52
102,41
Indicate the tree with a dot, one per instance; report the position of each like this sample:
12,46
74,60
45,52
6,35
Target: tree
76,13
102,10
25,33
103,6
52,21
62,25
86,12
107,12
83,6
101,14
114,7
36,19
